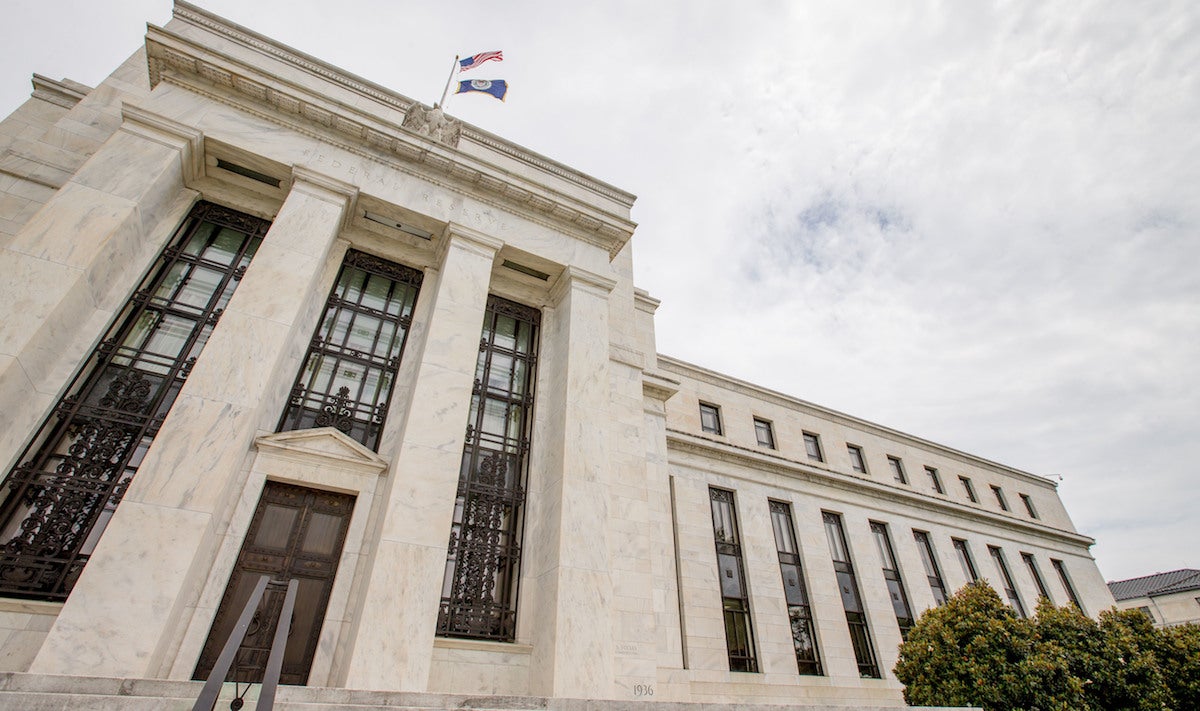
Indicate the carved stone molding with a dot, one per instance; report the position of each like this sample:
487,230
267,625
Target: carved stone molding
433,123
182,61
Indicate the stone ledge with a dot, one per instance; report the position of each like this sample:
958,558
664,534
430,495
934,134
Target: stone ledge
45,692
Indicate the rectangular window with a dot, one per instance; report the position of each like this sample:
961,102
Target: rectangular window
856,617
1146,611
1066,583
1028,505
804,637
79,463
891,575
969,488
1009,588
765,433
1036,575
735,598
857,463
935,480
479,590
347,378
710,418
812,445
932,571
897,468
1000,498
964,559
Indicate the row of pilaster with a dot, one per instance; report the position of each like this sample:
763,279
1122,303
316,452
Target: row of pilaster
101,231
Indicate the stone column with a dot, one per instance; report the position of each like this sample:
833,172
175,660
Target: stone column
124,613
76,261
573,637
393,645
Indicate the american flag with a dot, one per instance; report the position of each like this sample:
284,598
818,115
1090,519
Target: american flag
475,61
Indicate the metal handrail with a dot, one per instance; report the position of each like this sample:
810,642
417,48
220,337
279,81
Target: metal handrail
207,700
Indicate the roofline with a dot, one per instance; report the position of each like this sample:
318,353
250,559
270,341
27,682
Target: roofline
197,15
720,379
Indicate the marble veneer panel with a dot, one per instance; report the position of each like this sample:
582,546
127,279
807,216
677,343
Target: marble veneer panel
573,648
69,268
403,591
120,616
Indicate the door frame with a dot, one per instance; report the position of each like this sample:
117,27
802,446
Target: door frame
323,459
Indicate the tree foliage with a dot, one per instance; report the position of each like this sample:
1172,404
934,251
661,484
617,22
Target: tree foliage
975,651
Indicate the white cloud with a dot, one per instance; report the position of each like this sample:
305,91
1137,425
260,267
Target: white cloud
975,222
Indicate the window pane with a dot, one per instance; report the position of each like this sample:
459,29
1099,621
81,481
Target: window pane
353,357
95,440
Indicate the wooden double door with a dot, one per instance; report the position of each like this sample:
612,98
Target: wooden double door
296,533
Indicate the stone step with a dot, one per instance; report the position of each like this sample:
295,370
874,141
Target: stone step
44,692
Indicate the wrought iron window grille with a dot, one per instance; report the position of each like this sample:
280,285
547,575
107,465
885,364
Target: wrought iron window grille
76,469
350,367
479,590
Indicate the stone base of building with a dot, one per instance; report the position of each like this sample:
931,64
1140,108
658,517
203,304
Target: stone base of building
47,692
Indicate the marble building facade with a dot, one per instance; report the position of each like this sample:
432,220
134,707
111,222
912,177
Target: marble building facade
261,312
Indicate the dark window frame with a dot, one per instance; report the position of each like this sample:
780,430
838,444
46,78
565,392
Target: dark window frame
1061,568
969,488
1025,499
812,446
933,571
892,578
999,493
480,587
935,479
897,466
764,432
321,395
1010,588
79,463
1036,574
856,616
799,605
963,550
735,595
858,462
714,413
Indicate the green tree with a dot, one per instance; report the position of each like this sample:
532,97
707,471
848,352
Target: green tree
975,650
1179,656
966,652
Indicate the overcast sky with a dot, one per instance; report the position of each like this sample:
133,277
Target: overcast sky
975,222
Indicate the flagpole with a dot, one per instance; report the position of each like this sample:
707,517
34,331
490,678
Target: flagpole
450,78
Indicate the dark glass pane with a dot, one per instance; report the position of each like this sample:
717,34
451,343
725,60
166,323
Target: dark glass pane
347,379
483,557
729,569
77,466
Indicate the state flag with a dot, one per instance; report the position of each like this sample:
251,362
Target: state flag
496,87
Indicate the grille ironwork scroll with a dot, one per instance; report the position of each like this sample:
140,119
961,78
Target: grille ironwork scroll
56,503
480,587
347,377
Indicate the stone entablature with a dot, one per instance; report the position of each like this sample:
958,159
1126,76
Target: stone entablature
327,101
791,417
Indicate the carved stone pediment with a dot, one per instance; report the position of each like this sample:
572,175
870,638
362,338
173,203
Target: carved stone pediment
323,444
433,123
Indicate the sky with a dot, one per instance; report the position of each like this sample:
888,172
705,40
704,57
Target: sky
976,222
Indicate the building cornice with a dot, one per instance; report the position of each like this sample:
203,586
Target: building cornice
60,93
711,450
742,387
183,62
198,16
